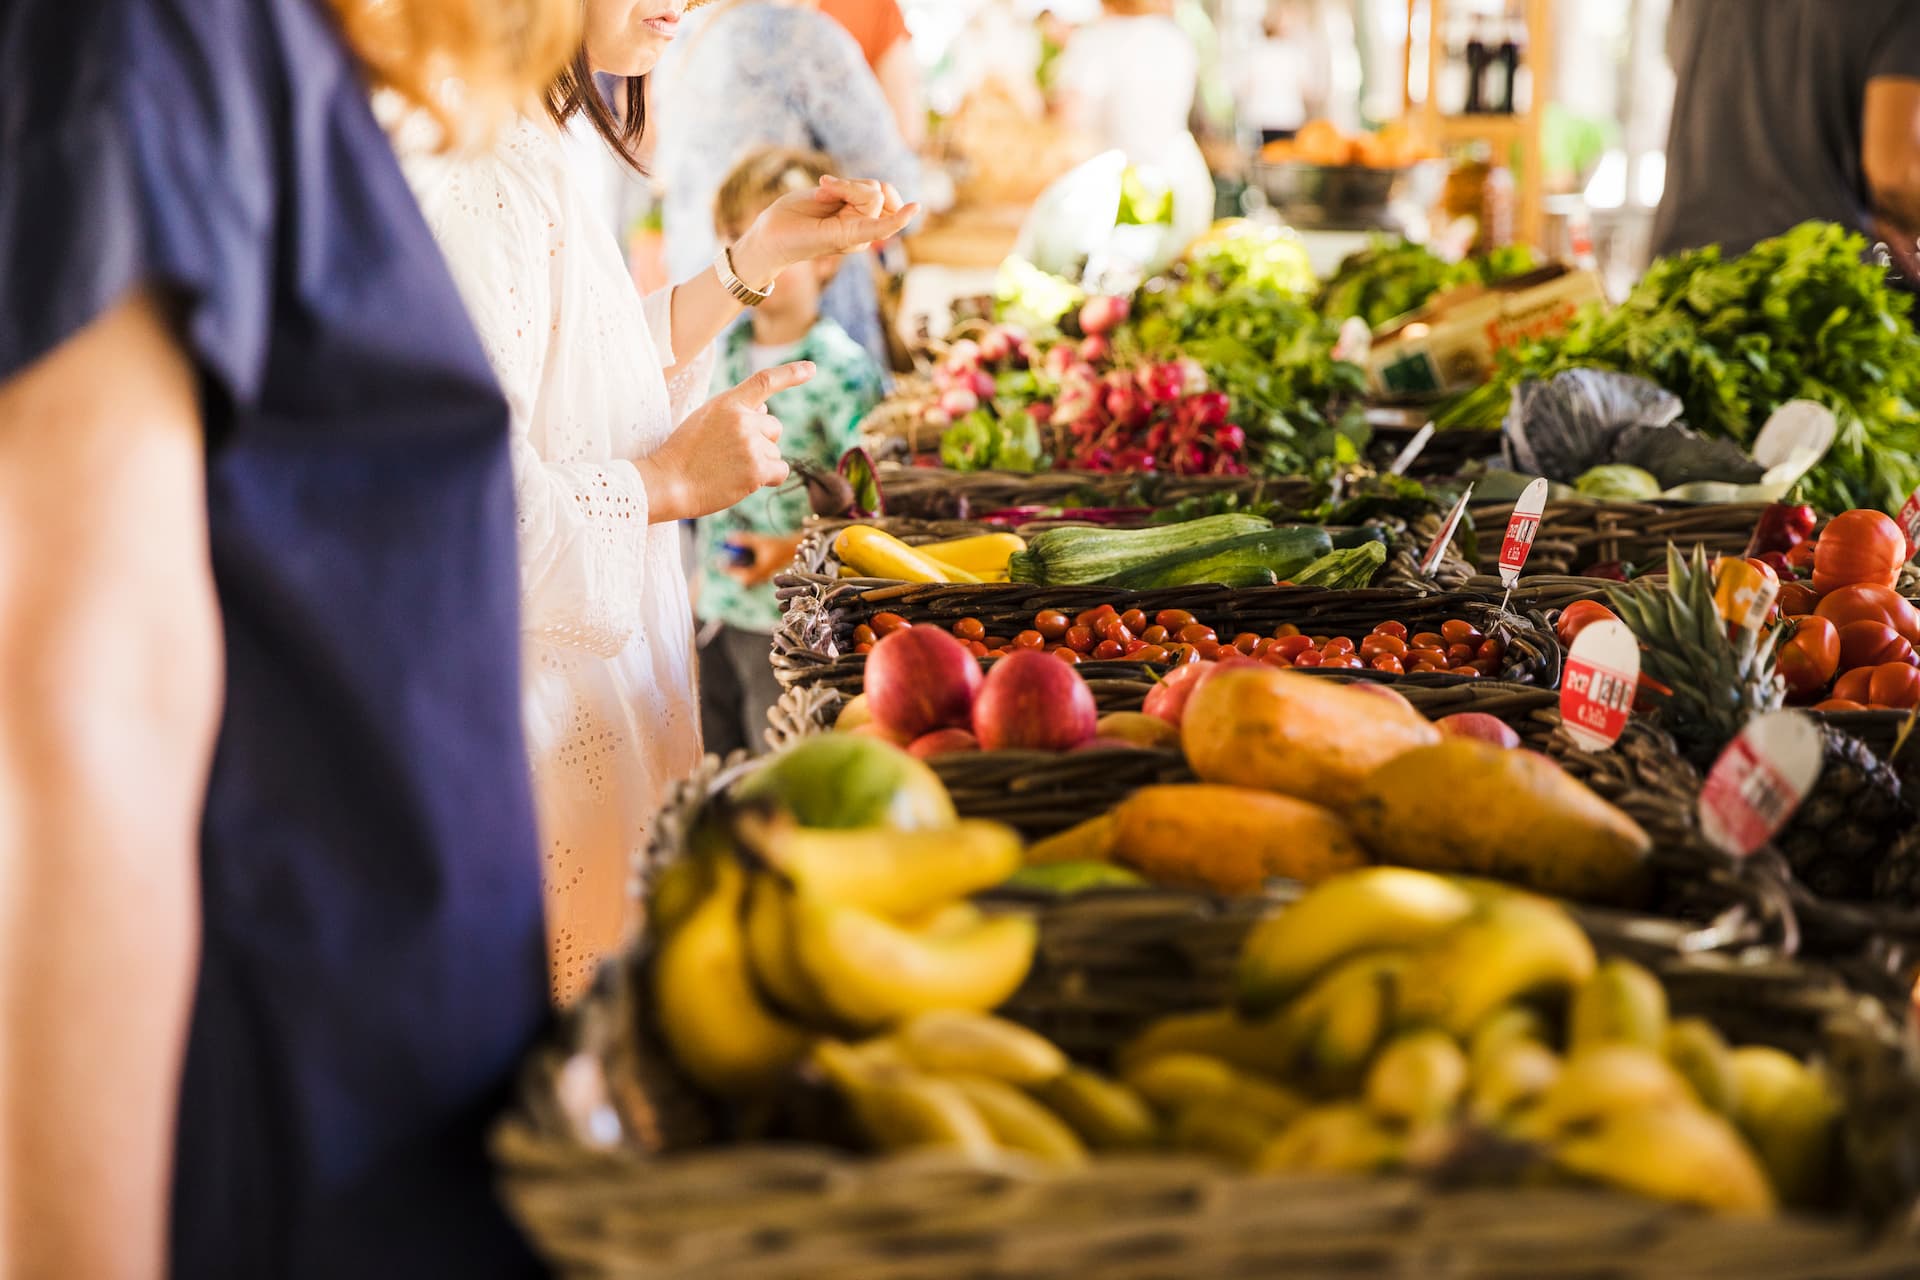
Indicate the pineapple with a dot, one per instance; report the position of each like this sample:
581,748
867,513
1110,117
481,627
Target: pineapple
1849,824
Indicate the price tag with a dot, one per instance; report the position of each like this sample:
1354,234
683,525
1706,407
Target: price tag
1743,593
1910,521
1522,528
1597,688
1415,447
1438,547
1759,780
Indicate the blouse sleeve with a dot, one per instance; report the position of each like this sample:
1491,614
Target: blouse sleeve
688,382
582,525
846,110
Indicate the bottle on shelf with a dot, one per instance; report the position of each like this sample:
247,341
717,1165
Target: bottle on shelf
1479,59
1506,61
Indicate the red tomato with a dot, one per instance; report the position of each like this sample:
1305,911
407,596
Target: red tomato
1108,650
1493,648
863,634
1337,646
1029,640
1377,645
1433,657
1858,546
1428,640
1155,634
1419,665
1853,686
1870,602
1090,616
1308,658
977,649
1460,631
1390,664
1079,638
1840,704
1134,646
1578,616
1173,619
1398,630
1868,644
1293,646
970,629
863,648
1198,632
1458,655
1067,656
1797,598
1149,653
1470,672
1050,623
1181,654
1345,661
1810,656
1209,651
1135,620
1801,556
885,624
997,642
1285,631
1895,685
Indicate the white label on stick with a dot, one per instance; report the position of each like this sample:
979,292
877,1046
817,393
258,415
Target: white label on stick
1598,686
1759,780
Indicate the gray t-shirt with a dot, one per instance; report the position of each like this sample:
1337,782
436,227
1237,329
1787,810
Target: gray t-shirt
1767,115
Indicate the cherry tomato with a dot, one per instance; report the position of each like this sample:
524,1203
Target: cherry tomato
1378,645
1459,655
970,629
1336,646
1131,647
863,648
1246,642
975,648
1388,663
1460,631
1173,619
1051,623
1029,640
1067,656
1079,638
1087,618
1135,620
1285,631
1108,650
1308,658
1485,666
1578,616
1321,642
1196,632
997,642
1894,684
1155,634
1208,650
1182,654
1493,648
1417,665
1277,661
885,624
1345,662
1428,654
863,634
1293,646
1840,704
1150,653
1114,629
1428,640
1469,672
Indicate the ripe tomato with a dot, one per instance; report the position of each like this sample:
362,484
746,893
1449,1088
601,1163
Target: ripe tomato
1090,616
1378,645
1108,650
1797,598
1460,631
1029,640
1428,640
1285,631
1173,619
1067,656
1050,623
1181,654
1432,656
1198,632
1134,646
1840,704
1870,602
1868,644
1858,546
1896,685
1135,621
1246,642
1155,634
1493,649
1398,630
1578,616
1345,661
885,624
1801,556
863,634
1150,653
997,642
1308,658
1471,673
1853,686
1810,656
1079,638
1337,646
1388,663
970,629
1293,646
1459,655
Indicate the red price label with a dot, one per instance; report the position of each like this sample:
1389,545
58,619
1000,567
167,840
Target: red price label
1522,528
1759,780
1598,685
1438,547
1910,521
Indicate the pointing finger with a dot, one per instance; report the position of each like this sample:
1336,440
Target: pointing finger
766,384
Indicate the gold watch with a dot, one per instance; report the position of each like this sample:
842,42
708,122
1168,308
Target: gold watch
742,292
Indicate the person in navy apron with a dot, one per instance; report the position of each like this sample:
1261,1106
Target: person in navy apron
270,919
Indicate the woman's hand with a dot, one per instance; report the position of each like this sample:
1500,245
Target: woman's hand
838,216
767,555
726,449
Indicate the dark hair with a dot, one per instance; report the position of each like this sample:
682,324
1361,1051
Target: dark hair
574,92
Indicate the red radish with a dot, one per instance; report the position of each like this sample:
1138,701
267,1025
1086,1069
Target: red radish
921,679
996,345
962,356
1095,350
958,402
942,742
1099,315
1162,383
1478,724
1032,700
1059,359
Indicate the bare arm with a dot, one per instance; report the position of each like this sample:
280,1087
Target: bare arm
1890,152
110,649
899,74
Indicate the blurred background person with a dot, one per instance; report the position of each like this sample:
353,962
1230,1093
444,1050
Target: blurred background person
749,74
1279,83
881,31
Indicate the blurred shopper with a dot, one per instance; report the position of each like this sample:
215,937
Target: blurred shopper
881,30
1280,83
774,73
741,548
269,892
1791,110
1128,80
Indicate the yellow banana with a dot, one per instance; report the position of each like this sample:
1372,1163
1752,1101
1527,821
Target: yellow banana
1177,1081
1511,947
1335,1027
1606,1081
1219,1033
1509,1076
1378,908
705,1003
1680,1153
903,1111
1018,1123
1105,1113
895,873
769,938
1417,1079
1342,1138
958,1042
1787,1112
1697,1051
1620,1002
1219,1128
1491,1037
944,921
872,973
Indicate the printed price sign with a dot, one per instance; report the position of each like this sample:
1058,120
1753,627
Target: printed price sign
1438,547
1743,593
1759,780
1522,528
1597,688
1910,521
1415,447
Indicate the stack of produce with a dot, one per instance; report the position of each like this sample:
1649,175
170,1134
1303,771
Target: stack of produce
1392,277
1303,778
1230,550
1395,1019
1803,315
869,552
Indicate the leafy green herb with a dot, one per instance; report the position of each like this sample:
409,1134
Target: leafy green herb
1391,277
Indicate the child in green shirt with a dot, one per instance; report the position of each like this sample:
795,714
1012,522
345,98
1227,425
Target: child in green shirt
740,550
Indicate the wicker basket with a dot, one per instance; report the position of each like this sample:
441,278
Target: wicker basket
814,641
1578,533
614,1168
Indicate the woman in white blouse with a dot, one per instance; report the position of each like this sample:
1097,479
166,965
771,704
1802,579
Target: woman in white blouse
611,448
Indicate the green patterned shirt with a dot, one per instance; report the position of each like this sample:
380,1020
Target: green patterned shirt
819,421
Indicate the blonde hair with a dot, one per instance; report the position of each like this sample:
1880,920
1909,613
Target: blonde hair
503,54
761,178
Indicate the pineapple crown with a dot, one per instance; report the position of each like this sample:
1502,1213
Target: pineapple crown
1720,677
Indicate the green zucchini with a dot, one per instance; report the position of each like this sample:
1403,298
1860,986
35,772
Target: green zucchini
1344,570
1359,536
1075,555
1238,562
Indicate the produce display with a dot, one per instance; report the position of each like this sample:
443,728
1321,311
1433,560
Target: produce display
1393,277
1395,1019
874,553
1321,142
1230,550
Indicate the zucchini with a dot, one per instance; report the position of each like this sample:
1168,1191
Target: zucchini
1359,536
1252,559
1344,570
1072,556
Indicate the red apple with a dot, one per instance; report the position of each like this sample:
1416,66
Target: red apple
942,742
1032,700
920,679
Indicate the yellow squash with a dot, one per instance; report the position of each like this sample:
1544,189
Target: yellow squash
1229,839
985,555
874,553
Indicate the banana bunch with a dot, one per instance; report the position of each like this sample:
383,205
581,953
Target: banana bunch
980,1086
798,933
1389,1012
